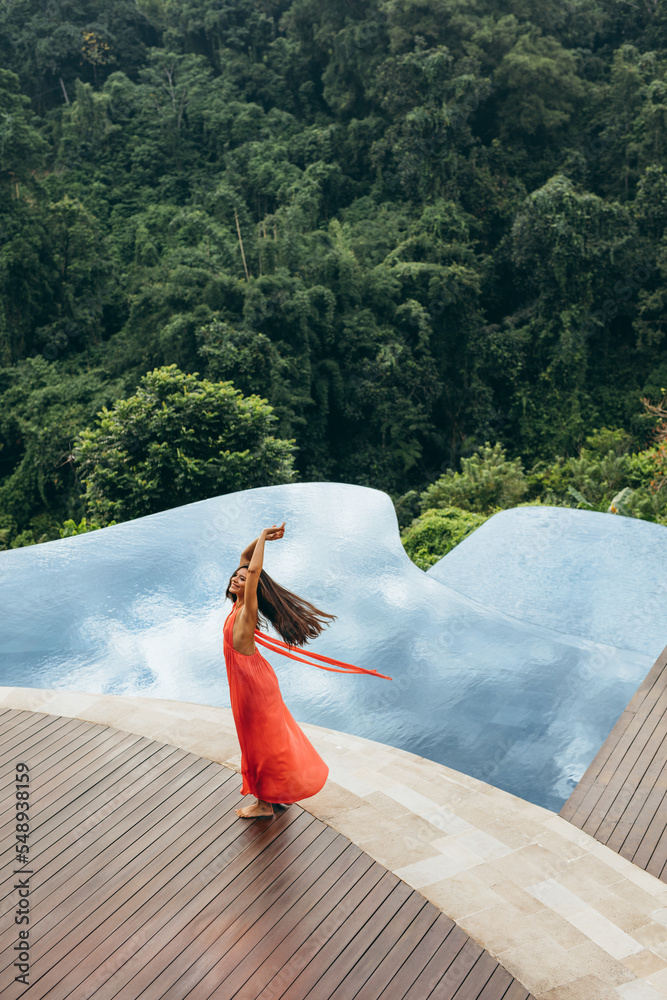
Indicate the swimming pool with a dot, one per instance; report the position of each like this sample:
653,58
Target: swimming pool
484,681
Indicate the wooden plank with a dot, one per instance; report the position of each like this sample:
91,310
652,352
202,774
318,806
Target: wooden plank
633,763
460,969
215,955
21,744
621,798
476,981
635,842
629,808
428,946
168,877
335,933
155,879
269,938
53,785
150,886
432,973
375,969
374,934
309,930
653,833
497,986
155,942
97,858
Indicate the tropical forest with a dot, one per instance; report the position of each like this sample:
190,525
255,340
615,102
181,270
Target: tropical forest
414,245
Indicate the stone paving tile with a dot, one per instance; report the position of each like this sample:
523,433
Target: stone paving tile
639,990
462,895
644,963
589,987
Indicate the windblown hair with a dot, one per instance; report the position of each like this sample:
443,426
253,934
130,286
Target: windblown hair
295,620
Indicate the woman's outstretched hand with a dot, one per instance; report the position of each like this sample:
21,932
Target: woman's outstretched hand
275,532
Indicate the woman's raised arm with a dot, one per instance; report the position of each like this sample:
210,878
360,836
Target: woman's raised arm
256,557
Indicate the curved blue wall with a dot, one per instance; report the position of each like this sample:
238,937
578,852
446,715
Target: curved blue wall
483,680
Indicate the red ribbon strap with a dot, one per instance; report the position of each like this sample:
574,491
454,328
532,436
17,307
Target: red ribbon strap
278,646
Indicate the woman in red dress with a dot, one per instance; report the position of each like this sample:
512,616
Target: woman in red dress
278,763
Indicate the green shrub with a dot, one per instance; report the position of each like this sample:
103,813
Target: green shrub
488,480
436,532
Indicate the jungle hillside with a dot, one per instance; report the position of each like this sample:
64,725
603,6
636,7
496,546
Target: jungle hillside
417,245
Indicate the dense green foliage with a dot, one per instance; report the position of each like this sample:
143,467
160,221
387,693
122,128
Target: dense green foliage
605,476
436,532
487,480
411,227
178,439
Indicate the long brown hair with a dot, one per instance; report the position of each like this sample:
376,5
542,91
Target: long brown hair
295,620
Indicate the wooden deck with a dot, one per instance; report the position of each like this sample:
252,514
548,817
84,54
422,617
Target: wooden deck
146,884
622,798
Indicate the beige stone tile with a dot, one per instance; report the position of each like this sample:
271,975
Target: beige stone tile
398,850
529,865
652,935
362,824
147,721
541,965
623,914
332,801
658,979
220,748
461,895
109,713
560,929
413,777
593,960
424,873
458,852
660,916
640,990
595,869
519,898
184,733
488,848
644,963
501,927
392,808
349,781
514,836
437,815
557,897
585,988
576,880
606,935
570,850
645,881
632,895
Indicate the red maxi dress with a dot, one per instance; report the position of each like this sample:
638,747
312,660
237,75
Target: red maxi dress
278,762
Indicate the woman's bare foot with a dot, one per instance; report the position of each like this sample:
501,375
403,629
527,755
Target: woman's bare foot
258,809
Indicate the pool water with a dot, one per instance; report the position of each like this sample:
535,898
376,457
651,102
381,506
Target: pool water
511,659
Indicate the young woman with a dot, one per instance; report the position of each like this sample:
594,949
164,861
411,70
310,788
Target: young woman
278,763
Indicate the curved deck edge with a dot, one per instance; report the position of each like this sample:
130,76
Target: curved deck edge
561,912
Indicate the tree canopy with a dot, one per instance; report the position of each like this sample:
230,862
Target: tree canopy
411,228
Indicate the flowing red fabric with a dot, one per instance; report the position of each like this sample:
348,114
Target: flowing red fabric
278,763
278,646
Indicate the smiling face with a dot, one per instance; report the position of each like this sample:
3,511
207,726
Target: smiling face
236,586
